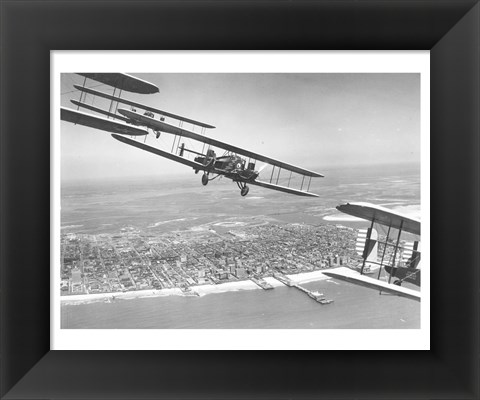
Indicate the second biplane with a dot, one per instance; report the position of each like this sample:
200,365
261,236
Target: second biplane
232,162
396,253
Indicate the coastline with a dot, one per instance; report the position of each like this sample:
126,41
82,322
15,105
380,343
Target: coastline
202,290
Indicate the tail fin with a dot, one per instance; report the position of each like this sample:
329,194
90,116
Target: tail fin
367,245
411,254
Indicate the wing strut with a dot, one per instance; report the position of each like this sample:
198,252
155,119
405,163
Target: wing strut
119,95
82,93
113,101
173,144
384,250
271,176
367,243
395,252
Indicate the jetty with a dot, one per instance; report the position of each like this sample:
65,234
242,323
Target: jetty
262,283
315,295
282,278
187,291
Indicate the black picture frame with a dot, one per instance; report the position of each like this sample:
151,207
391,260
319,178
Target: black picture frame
31,29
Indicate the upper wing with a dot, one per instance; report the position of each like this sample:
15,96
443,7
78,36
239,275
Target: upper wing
99,110
159,152
381,215
92,121
123,81
164,127
142,106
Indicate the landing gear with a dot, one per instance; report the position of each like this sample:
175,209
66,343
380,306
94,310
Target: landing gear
398,282
243,188
204,179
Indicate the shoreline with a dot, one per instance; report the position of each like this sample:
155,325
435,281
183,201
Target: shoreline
202,290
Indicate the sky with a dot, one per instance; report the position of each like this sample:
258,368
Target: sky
316,121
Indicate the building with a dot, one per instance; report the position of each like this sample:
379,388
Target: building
76,276
231,268
221,274
240,272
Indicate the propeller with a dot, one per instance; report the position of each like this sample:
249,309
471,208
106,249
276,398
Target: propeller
262,167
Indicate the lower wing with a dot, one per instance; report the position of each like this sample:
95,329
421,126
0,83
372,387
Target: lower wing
158,152
92,121
346,274
283,189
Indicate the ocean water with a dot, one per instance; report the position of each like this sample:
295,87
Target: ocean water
157,206
280,308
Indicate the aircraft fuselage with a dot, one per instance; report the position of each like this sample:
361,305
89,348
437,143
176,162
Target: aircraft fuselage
232,167
404,274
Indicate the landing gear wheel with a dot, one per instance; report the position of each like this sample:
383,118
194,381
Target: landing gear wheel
204,179
398,282
244,190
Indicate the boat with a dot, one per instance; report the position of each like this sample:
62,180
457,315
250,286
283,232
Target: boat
316,295
325,301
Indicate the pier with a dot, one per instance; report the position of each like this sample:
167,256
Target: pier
315,295
262,283
282,278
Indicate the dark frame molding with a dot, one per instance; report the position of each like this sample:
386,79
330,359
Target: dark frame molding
30,29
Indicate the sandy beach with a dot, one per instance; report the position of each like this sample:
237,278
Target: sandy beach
201,290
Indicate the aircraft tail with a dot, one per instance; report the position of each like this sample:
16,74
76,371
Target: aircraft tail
367,246
408,266
411,254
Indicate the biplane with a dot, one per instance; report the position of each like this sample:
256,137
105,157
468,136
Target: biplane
395,254
211,156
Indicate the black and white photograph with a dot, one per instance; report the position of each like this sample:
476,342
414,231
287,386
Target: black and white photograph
283,200
287,180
